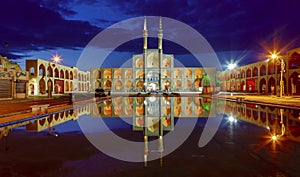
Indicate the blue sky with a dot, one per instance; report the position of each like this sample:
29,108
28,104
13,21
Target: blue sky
236,29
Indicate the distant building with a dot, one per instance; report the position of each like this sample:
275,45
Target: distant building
13,80
263,76
60,79
153,70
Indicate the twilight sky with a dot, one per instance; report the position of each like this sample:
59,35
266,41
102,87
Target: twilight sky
236,29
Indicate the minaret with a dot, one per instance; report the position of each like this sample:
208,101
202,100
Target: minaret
160,36
145,35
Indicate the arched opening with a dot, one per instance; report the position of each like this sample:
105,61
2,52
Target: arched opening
232,85
98,74
263,117
42,86
49,71
107,85
188,85
294,61
107,74
294,86
243,74
271,86
118,73
152,60
139,63
42,122
140,85
79,87
238,75
56,73
61,74
67,74
262,70
238,85
67,86
249,113
42,70
166,63
128,74
167,85
71,86
32,71
187,73
139,74
118,85
248,73
271,118
197,84
128,85
97,84
166,74
177,73
198,73
255,72
71,75
263,86
271,67
255,114
243,86
177,85
232,75
31,89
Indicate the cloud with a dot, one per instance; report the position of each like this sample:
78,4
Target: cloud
229,25
27,25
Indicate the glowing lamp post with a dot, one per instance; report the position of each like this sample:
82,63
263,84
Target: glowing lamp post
274,56
231,66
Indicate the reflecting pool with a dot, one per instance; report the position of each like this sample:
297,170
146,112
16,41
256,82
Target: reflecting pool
155,136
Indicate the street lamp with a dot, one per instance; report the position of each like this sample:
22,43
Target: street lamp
231,66
274,56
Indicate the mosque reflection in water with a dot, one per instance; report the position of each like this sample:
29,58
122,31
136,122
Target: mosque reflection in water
154,115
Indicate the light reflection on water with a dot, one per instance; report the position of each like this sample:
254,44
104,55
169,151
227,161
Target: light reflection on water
150,117
137,111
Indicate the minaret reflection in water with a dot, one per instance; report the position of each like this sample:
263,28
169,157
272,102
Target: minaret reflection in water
153,115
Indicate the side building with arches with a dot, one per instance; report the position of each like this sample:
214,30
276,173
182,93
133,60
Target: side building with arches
263,77
59,79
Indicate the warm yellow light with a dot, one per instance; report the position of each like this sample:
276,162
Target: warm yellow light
274,56
56,58
274,138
